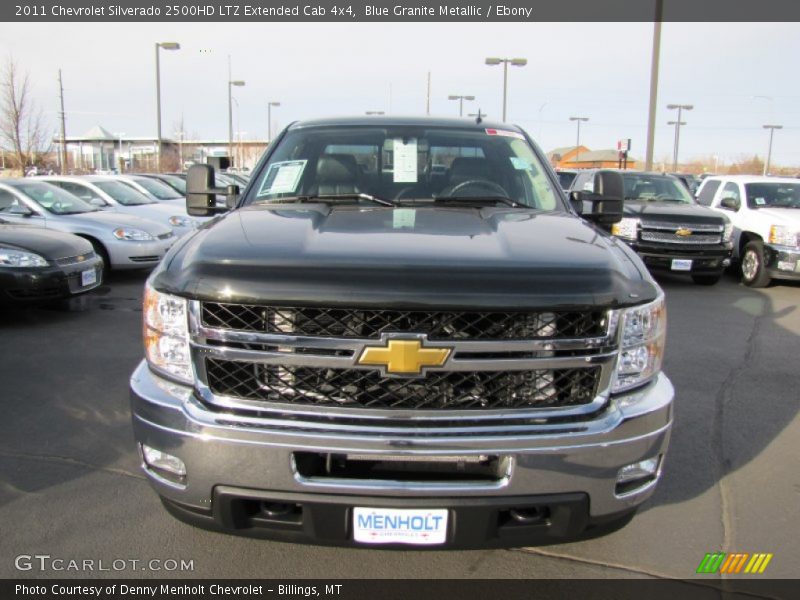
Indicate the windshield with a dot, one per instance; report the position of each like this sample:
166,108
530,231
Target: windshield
53,199
773,194
406,163
125,195
159,189
565,178
652,188
176,183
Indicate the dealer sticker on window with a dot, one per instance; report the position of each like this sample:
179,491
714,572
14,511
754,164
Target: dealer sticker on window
400,526
282,177
680,264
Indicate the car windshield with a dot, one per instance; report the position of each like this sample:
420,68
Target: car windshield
773,194
406,164
124,194
176,183
653,188
159,189
52,198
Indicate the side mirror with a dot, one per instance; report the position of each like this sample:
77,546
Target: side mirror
606,201
94,201
20,210
201,192
730,203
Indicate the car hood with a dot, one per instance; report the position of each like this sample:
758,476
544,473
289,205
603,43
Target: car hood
787,216
671,212
115,219
406,257
47,243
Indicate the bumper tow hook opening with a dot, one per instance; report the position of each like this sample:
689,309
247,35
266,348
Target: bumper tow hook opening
276,509
528,515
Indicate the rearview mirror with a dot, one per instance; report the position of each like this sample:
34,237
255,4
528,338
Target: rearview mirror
730,203
605,201
201,192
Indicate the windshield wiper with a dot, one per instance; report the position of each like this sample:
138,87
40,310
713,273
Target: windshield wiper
480,199
657,199
325,197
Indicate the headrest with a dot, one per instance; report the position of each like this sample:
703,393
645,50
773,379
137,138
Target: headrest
337,168
466,168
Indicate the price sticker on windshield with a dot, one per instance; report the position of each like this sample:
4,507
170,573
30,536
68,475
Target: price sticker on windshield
282,177
405,160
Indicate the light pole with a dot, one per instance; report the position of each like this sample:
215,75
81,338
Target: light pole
516,62
269,119
578,140
772,129
460,102
180,148
165,46
651,112
231,84
678,123
119,159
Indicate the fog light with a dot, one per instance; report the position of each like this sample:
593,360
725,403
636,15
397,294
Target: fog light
638,470
161,461
726,262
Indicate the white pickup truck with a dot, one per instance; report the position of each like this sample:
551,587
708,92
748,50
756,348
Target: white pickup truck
765,212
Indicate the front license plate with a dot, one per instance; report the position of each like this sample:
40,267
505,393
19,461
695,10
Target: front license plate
400,526
680,264
88,277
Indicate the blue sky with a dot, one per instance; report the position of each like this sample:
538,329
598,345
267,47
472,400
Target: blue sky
737,75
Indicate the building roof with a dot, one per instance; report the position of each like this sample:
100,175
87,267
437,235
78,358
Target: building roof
98,133
561,151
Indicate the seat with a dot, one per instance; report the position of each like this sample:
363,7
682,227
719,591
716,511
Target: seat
336,174
644,190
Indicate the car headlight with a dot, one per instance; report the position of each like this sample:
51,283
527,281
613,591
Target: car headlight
19,258
178,221
641,350
727,232
783,236
627,228
166,334
129,234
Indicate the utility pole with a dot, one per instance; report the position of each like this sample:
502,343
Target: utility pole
772,129
63,149
678,123
651,115
578,139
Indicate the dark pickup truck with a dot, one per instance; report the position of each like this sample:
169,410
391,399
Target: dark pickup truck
366,350
667,228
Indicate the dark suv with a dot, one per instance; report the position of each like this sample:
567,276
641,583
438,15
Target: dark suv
666,227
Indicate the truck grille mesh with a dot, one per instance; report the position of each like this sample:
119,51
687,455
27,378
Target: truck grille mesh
438,390
671,238
371,323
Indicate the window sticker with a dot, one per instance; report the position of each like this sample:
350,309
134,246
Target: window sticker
282,177
404,218
760,201
520,164
504,133
405,160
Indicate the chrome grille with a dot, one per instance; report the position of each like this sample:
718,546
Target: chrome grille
371,323
672,238
441,390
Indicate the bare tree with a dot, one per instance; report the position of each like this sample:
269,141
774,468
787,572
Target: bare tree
22,124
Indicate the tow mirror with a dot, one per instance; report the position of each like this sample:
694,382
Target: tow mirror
604,205
730,203
201,192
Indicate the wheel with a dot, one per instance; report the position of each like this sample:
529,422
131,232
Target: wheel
754,272
490,186
100,250
707,279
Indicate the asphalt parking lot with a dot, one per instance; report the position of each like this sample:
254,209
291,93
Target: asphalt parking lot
70,486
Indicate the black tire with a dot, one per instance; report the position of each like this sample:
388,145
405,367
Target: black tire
754,272
707,279
100,250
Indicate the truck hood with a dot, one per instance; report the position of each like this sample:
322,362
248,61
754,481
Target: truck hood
671,212
782,216
405,257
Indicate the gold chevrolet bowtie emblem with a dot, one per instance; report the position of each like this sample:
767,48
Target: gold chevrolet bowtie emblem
683,232
403,357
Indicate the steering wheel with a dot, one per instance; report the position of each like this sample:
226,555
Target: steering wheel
405,191
491,186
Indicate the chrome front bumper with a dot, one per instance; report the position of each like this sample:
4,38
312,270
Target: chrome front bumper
225,451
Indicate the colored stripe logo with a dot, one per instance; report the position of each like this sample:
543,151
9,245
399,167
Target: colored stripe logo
734,563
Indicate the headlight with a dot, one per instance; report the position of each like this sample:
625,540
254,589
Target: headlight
178,221
627,228
129,234
642,348
783,236
166,334
20,258
727,232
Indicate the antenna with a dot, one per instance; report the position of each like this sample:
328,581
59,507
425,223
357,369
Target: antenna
479,117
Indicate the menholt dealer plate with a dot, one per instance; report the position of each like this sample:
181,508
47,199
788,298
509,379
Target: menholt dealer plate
399,526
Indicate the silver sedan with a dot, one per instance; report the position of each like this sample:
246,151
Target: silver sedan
123,241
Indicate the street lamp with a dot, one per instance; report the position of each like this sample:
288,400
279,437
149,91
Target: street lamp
460,102
677,123
772,129
269,119
165,46
231,84
578,141
516,62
